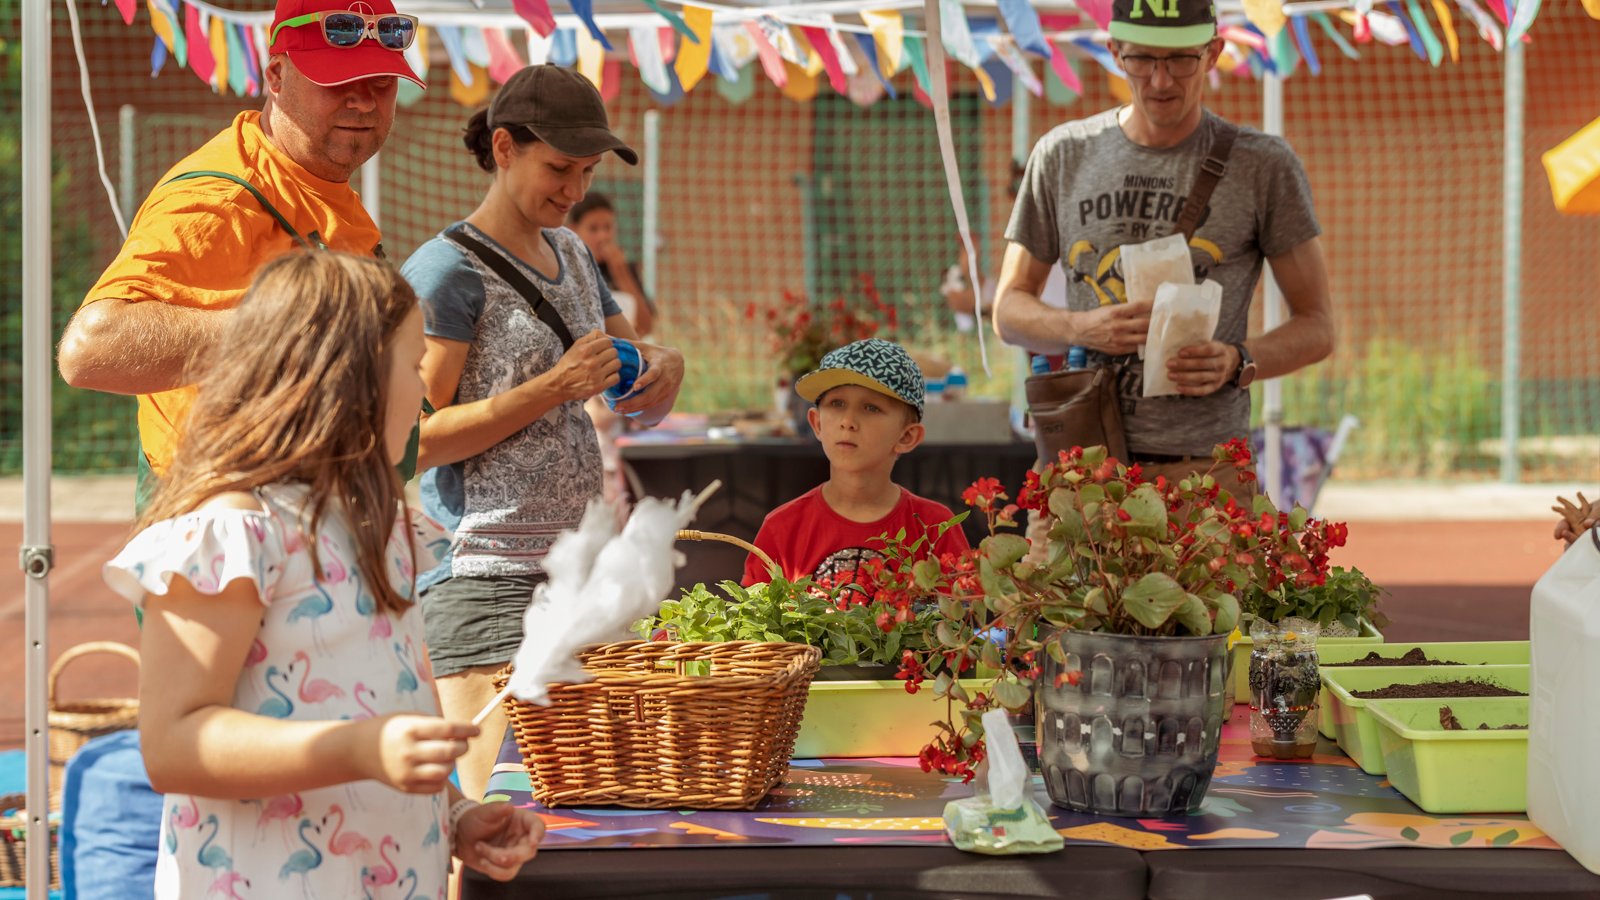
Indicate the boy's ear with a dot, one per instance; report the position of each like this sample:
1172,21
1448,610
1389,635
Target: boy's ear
910,438
815,418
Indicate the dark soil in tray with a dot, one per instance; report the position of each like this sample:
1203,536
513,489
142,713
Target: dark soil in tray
1449,722
1412,657
1437,689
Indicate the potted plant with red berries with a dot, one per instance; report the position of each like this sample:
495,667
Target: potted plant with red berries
1114,625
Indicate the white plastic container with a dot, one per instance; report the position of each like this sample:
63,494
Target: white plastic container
1564,702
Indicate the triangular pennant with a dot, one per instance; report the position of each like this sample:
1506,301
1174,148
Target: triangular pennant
539,46
1302,40
1430,41
1488,29
798,85
779,36
200,60
999,76
771,59
985,31
180,42
668,39
611,81
869,51
584,10
1011,56
1023,23
1267,15
503,61
158,57
238,68
830,59
128,9
919,62
736,45
564,47
417,56
1098,52
956,34
694,56
1245,37
537,14
217,36
591,60
646,50
674,91
1410,29
460,66
1387,29
1098,10
252,60
1498,7
1447,24
676,21
1522,19
720,62
472,90
887,28
1065,74
1053,22
1332,33
475,47
1284,54
741,88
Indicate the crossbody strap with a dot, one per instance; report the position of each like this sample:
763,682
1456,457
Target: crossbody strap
514,277
1212,168
312,243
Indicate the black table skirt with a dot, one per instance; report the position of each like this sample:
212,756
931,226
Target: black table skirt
1387,874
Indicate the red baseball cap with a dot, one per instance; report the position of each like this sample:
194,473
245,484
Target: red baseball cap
326,64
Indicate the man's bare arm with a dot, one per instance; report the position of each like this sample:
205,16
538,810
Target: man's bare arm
122,347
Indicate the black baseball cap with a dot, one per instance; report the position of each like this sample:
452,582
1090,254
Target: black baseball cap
1163,23
561,108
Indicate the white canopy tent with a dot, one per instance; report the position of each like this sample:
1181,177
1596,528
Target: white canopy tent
36,556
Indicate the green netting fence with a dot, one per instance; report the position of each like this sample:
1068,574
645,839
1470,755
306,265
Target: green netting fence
768,195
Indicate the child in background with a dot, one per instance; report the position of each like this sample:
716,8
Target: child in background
286,706
868,414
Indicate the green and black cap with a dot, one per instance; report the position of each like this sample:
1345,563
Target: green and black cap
1163,23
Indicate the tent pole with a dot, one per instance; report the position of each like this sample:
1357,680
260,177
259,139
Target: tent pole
36,557
1511,268
1272,315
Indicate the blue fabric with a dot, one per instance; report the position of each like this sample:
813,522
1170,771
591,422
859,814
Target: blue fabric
110,822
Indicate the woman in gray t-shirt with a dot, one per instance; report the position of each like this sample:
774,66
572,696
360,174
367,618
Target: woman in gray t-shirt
514,457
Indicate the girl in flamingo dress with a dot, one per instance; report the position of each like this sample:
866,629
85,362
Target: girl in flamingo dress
287,708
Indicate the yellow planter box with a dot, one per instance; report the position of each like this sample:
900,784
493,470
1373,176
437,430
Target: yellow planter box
859,719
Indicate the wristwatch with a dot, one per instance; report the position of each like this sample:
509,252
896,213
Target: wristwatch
1246,373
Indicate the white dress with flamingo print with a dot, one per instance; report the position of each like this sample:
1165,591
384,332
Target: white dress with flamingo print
324,652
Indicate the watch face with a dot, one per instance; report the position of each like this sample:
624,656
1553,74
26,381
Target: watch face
1247,375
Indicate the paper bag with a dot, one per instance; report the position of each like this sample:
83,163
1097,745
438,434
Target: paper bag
1183,315
1147,266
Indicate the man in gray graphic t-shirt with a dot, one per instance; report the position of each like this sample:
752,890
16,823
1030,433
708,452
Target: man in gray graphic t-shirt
1121,177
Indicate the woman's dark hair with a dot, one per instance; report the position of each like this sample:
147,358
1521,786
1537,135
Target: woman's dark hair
591,202
479,138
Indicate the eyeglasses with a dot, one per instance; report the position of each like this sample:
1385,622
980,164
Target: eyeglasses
393,31
1179,65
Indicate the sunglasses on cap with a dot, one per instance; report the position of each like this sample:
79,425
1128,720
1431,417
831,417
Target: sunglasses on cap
394,31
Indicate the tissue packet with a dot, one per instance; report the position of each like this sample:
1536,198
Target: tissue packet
1148,265
1183,315
1002,818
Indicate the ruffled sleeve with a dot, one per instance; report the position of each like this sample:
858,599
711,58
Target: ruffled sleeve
210,548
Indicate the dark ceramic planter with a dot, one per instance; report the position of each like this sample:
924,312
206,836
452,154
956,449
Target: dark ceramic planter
1138,734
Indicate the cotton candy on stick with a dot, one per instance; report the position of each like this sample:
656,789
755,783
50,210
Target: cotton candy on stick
600,582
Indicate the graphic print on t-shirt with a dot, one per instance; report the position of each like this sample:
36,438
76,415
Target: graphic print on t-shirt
1145,207
840,566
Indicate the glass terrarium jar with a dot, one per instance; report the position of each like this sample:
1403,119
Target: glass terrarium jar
1283,688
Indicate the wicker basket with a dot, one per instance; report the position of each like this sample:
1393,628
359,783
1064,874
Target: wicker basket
692,535
14,845
645,734
73,723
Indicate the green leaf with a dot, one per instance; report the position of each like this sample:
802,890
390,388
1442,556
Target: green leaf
1505,838
1011,695
926,572
1004,549
1093,456
1148,511
1459,838
1227,613
1091,493
1410,833
1297,518
1095,601
1153,599
958,692
1057,652
1193,615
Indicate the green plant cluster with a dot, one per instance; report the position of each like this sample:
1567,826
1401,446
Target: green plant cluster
1347,597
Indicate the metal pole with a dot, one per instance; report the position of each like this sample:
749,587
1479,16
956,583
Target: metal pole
1273,314
1511,283
652,199
372,188
127,160
1021,121
36,556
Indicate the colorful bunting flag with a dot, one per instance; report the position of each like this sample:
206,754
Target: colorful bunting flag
591,60
200,60
1302,40
888,33
417,55
472,90
694,55
1417,46
238,68
1487,28
584,10
1447,24
454,51
869,52
739,89
564,47
158,57
1098,52
1267,15
771,60
956,34
503,61
1065,74
252,59
1023,23
539,46
217,37
646,48
1332,33
779,36
677,22
823,47
799,85
1522,19
611,81
475,47
919,62
537,14
1098,10
997,74
1430,41
1011,56
128,9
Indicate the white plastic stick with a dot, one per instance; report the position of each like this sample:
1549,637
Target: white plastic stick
489,708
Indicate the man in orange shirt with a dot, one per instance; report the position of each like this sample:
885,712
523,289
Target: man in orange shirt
272,181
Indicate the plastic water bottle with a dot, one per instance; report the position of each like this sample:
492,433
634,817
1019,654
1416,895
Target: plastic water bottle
1039,365
1077,358
955,385
933,390
633,366
1563,727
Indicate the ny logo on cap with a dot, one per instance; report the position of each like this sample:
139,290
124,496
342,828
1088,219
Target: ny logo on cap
1158,8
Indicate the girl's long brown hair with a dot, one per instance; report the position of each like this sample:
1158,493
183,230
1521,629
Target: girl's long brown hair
297,390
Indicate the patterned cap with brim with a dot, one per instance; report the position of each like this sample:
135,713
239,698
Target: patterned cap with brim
874,364
1163,23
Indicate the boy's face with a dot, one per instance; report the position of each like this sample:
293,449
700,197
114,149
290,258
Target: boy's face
862,429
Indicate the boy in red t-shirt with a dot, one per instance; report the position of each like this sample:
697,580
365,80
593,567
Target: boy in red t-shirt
868,412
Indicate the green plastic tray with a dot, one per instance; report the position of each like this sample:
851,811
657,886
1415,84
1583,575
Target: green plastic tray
1467,771
1239,656
1472,653
860,719
1353,726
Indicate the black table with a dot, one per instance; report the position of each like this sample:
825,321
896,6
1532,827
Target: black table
760,475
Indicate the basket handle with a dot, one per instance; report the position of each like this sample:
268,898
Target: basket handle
692,535
85,649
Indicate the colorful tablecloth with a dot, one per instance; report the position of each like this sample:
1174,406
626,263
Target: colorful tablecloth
1252,803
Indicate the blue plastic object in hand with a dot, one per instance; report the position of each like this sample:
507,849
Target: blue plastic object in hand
633,366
